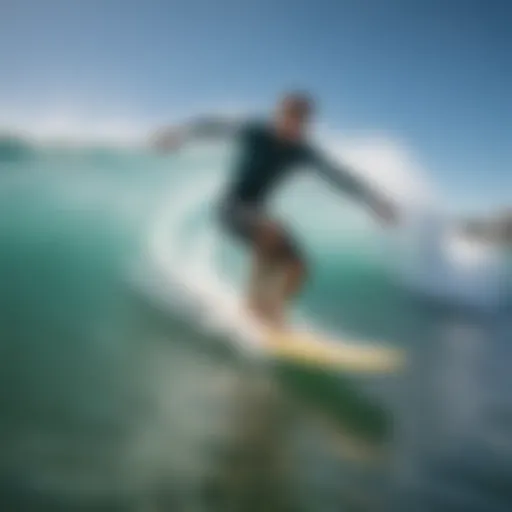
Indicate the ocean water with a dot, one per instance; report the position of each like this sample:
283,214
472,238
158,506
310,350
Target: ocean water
129,383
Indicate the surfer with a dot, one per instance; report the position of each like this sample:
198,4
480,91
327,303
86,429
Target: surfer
269,153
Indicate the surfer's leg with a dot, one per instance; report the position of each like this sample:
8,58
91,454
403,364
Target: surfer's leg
292,275
248,224
278,270
295,275
262,284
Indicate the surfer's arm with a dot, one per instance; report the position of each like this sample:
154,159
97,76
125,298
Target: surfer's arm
346,180
340,177
212,128
196,129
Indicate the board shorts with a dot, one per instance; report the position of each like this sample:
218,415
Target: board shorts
243,221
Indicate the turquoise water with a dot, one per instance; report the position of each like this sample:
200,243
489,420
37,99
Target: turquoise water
117,394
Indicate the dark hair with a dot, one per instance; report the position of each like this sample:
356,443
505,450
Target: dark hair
300,102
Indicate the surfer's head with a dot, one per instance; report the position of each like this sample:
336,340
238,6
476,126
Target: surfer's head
294,112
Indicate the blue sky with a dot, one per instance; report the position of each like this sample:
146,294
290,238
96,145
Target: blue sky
436,74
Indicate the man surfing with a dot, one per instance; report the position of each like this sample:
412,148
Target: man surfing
269,152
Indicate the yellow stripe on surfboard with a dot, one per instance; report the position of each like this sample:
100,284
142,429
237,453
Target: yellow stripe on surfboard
314,350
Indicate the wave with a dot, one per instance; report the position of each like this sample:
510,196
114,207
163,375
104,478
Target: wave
184,271
425,253
184,255
439,261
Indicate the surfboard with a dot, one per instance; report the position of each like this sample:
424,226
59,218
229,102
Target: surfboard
313,349
317,351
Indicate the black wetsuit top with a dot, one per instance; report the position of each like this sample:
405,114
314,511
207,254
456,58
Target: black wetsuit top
265,160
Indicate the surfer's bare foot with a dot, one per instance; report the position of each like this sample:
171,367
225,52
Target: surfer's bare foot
267,314
257,310
275,317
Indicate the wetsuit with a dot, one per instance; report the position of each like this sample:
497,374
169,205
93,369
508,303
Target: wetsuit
264,161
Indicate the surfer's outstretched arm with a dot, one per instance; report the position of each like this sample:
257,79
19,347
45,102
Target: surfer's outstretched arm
212,127
345,180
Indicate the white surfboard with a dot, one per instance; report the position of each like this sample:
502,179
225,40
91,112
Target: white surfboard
312,349
315,351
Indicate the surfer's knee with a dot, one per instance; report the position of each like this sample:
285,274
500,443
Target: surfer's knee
291,255
280,246
299,268
300,265
269,238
